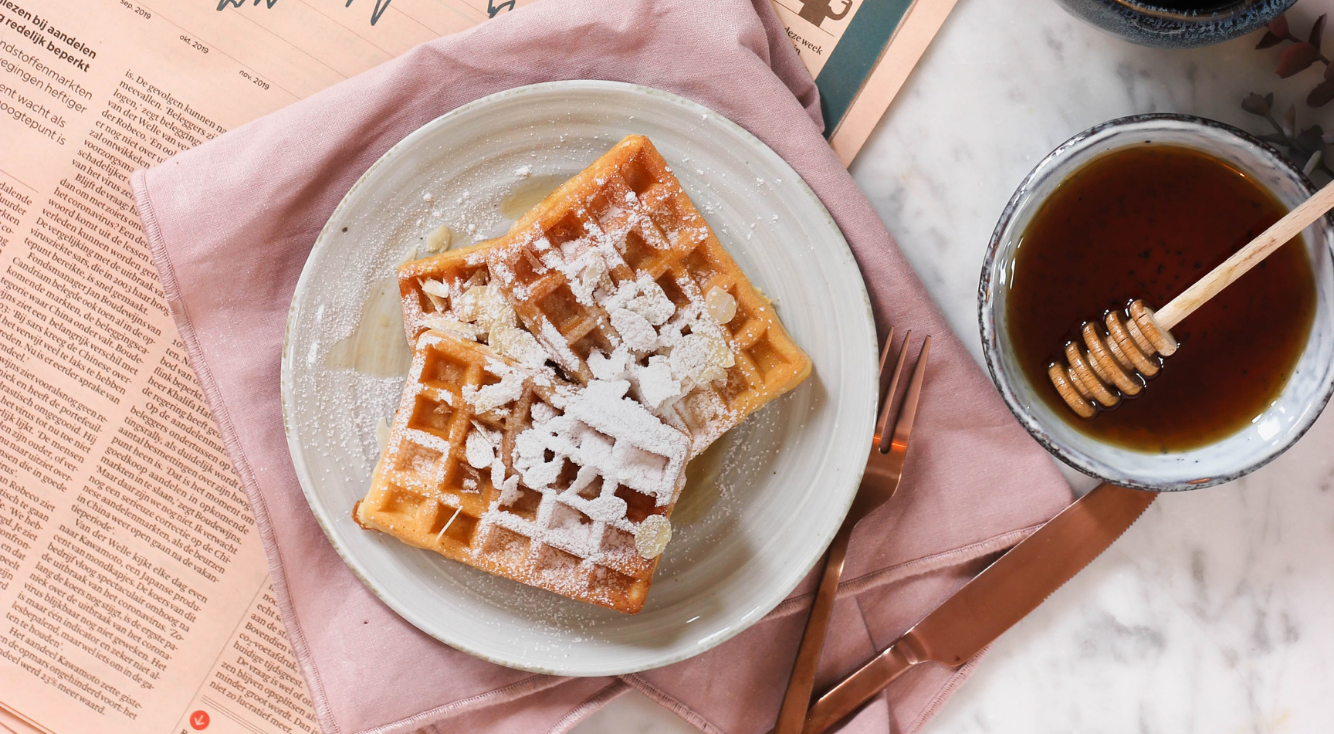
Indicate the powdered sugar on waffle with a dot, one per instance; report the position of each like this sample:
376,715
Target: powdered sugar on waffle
643,453
481,310
669,355
608,437
651,394
495,397
664,352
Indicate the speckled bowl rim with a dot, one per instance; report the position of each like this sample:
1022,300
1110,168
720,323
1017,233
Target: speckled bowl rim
986,315
839,499
1187,17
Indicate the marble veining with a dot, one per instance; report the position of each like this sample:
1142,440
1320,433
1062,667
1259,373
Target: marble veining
1215,612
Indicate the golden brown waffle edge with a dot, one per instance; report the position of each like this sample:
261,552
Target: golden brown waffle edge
425,493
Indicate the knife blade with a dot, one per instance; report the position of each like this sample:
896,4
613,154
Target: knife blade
1004,593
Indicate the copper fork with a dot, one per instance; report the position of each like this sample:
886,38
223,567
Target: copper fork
883,470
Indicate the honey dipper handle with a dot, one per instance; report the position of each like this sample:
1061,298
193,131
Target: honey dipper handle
1246,258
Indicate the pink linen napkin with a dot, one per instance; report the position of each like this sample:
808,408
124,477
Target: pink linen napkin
975,483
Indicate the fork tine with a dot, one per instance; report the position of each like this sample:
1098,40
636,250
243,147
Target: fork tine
881,375
883,422
908,411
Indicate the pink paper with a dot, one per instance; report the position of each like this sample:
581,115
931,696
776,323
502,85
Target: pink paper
232,221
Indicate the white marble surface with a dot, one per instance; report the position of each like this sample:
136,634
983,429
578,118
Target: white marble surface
1215,612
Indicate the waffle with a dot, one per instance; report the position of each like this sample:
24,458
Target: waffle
617,276
499,466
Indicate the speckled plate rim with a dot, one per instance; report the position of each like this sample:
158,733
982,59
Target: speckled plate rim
841,497
990,340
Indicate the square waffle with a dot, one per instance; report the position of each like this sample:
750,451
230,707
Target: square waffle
499,466
617,276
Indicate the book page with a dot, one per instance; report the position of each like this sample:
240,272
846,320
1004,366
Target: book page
816,26
133,586
859,52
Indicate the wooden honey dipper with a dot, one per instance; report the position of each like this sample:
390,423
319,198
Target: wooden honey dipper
1102,369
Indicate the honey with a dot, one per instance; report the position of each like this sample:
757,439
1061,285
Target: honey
1146,221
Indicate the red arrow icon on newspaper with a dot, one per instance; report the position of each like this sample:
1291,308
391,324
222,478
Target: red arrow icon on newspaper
199,720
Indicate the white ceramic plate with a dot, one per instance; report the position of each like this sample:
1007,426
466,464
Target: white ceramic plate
757,512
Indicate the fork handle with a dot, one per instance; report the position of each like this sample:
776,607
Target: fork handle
792,715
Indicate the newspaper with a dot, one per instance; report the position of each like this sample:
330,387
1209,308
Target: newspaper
134,592
133,587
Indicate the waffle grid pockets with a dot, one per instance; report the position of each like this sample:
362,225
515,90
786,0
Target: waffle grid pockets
572,537
564,373
628,208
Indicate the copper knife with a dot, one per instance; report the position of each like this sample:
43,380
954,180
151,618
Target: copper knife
995,599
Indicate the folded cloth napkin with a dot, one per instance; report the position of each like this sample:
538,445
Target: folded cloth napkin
975,483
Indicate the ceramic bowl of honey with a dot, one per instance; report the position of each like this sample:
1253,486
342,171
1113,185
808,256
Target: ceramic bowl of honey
1141,207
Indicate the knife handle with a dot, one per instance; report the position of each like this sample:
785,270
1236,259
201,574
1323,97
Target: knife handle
861,686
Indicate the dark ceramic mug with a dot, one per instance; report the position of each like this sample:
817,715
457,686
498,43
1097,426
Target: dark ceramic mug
1177,23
